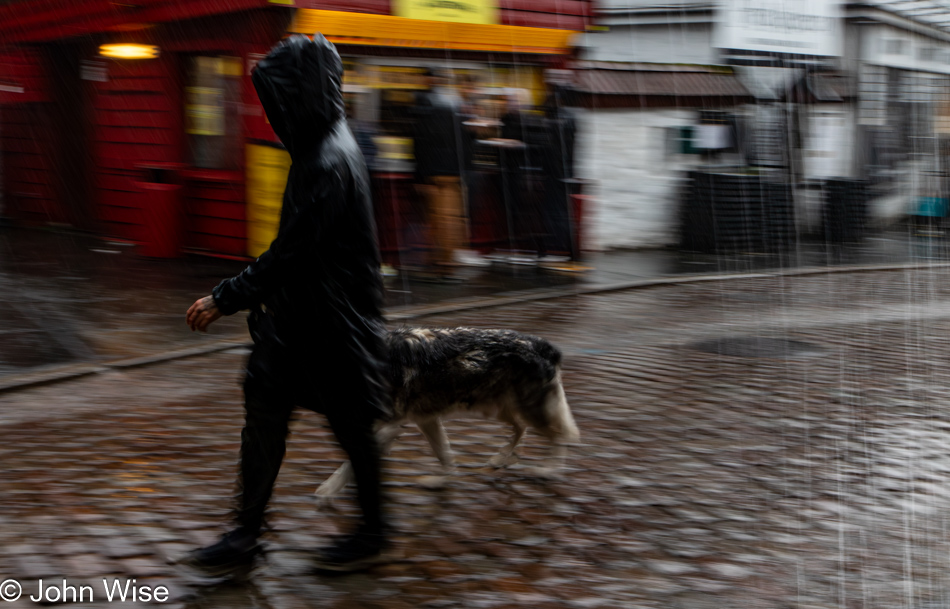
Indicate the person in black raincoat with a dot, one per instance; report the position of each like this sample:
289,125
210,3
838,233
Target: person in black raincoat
315,306
558,165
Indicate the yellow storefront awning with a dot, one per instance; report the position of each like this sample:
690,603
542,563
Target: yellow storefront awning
389,31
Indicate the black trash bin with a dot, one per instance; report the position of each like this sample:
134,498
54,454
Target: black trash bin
845,210
736,212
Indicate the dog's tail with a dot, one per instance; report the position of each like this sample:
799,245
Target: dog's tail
558,412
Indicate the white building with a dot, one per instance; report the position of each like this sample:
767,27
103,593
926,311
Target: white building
869,81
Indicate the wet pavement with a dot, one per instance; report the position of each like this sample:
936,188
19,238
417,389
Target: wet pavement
70,299
804,465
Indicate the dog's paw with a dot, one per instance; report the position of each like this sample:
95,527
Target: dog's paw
323,498
503,460
433,483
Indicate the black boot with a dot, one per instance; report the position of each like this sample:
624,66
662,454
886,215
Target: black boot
233,555
355,552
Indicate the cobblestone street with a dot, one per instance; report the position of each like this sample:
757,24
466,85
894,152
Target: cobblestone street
814,475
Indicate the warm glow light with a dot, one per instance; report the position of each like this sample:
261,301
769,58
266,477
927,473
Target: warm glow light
128,51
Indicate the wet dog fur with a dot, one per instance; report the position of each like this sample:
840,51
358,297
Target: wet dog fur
437,373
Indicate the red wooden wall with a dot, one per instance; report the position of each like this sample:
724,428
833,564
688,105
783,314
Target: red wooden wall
215,212
137,120
558,14
25,139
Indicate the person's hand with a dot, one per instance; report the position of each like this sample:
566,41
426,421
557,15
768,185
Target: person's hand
202,314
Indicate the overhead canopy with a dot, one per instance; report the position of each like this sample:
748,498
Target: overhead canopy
632,85
389,31
935,13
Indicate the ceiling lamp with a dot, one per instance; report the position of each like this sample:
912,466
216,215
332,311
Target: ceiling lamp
128,50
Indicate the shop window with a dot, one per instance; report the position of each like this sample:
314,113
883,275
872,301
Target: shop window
212,120
679,140
927,53
893,46
716,132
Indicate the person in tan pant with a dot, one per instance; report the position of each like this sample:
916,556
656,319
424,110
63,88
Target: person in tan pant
447,220
439,157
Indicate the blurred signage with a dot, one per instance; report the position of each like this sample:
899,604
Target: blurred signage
712,137
96,71
386,77
804,27
422,32
458,11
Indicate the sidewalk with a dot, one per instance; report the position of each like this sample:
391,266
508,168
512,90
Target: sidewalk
74,303
811,472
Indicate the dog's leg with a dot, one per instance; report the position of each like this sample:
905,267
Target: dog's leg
507,455
343,476
554,465
434,432
333,485
387,435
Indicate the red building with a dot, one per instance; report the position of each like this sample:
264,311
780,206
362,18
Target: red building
84,126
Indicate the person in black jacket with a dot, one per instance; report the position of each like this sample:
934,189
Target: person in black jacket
315,307
440,156
558,166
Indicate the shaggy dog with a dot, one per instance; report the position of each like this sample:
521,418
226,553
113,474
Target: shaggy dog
499,374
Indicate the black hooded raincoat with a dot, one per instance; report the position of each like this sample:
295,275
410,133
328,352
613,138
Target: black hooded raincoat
315,296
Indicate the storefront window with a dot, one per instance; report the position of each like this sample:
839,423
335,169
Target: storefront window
212,121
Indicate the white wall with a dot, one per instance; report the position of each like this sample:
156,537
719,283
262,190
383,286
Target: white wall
884,45
668,43
636,181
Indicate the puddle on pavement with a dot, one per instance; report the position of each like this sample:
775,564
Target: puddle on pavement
759,347
27,346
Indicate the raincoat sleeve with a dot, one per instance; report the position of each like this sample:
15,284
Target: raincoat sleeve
297,243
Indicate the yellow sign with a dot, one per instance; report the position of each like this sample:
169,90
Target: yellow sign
204,113
267,169
386,77
391,31
457,11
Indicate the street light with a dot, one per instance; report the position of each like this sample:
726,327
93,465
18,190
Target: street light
128,50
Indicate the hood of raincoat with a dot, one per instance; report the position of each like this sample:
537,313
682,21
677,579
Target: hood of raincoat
299,84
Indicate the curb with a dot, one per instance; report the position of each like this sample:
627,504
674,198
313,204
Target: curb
71,372
538,295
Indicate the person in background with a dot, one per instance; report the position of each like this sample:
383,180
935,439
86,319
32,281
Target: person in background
522,126
365,134
439,150
558,169
472,119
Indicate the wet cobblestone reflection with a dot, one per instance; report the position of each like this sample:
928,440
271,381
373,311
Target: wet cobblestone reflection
701,480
